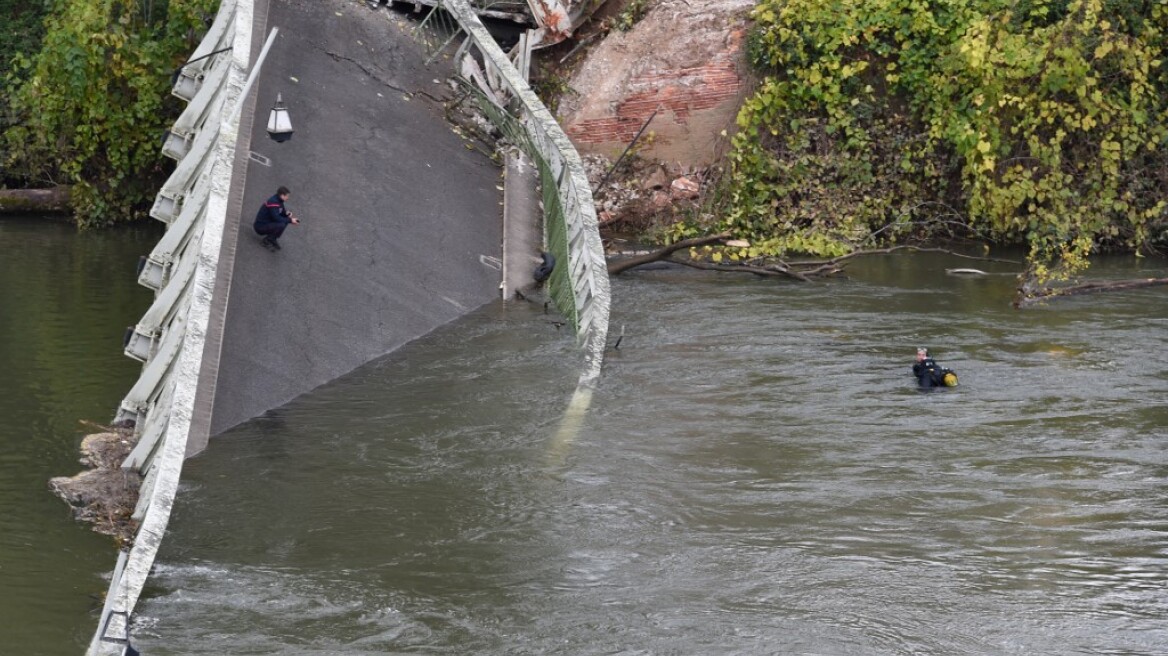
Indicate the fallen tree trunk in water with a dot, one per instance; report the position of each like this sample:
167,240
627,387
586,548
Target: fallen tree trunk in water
35,201
768,270
1024,299
807,271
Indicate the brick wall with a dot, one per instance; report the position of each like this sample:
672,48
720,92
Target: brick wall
692,102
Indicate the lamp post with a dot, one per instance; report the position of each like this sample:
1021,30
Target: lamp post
279,123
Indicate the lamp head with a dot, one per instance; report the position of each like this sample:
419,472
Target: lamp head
279,123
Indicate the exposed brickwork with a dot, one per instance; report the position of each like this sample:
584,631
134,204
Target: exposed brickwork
678,94
684,59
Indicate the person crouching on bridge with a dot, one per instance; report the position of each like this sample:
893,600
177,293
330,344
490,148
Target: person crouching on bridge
931,374
273,218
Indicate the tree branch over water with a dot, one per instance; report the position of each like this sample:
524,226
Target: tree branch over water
803,270
810,270
1047,294
619,266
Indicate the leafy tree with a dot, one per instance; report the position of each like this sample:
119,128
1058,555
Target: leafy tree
1043,122
94,101
21,29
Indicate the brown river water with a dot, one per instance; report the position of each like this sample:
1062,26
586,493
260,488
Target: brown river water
757,474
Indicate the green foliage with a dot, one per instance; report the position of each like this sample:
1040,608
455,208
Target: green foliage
21,29
1043,121
94,101
633,12
550,85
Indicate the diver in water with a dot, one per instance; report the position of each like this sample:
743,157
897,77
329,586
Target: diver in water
931,374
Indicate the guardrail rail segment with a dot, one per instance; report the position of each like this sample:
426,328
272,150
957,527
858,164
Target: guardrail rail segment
169,338
580,289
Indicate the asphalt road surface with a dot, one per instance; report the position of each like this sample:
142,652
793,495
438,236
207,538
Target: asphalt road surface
401,221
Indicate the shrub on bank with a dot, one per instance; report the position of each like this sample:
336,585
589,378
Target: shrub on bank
21,30
1036,122
90,106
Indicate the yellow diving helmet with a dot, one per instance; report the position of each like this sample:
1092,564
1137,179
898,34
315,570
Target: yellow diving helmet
950,379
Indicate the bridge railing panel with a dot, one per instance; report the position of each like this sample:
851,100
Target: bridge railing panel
579,284
220,35
197,113
168,203
171,335
159,265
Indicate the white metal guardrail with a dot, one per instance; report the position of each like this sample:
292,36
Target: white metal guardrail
579,285
170,337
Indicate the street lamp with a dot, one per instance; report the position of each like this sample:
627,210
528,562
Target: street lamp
279,124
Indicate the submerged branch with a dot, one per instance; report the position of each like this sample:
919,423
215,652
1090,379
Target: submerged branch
743,268
893,249
804,271
1032,298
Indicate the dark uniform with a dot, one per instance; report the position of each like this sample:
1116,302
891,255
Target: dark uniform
272,219
931,374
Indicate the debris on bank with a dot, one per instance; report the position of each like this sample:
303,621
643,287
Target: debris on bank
643,195
105,494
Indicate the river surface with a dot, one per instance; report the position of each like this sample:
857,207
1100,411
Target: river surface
65,301
757,474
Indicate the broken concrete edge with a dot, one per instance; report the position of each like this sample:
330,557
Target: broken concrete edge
522,229
105,494
644,196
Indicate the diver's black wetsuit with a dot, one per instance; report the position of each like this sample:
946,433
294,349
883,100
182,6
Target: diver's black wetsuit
929,373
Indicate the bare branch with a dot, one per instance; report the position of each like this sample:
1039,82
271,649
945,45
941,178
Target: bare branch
803,271
892,249
898,221
621,266
743,268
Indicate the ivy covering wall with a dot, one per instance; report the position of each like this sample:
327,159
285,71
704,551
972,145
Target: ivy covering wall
1027,121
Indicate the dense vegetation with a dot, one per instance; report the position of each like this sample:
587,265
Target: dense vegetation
21,30
1042,122
89,103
